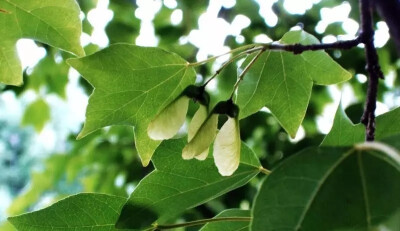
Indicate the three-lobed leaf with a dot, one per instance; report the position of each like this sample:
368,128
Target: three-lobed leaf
345,133
283,82
86,211
56,23
331,189
131,85
177,185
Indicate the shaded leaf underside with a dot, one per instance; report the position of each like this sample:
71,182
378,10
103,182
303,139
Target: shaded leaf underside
329,189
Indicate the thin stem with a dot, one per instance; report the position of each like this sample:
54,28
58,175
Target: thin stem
230,61
246,47
241,76
201,222
373,68
265,171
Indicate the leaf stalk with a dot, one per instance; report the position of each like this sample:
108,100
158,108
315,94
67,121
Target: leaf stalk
200,222
246,69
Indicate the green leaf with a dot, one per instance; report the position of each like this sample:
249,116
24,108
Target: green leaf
177,185
283,81
229,225
393,141
37,114
331,189
86,211
56,23
51,75
132,85
345,133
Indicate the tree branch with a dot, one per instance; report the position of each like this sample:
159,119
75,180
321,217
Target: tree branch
299,48
373,68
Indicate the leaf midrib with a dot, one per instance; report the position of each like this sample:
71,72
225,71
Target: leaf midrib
319,186
364,187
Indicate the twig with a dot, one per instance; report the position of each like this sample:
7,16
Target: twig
299,48
373,68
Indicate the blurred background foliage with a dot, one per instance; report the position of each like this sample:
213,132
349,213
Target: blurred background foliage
40,160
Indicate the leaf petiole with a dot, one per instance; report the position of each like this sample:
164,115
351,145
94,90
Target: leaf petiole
241,76
245,52
242,48
199,222
265,171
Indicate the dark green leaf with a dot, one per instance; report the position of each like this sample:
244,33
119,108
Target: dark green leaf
331,189
86,211
177,185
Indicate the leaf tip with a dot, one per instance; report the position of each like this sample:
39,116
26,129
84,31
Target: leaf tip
81,135
145,161
292,131
11,220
